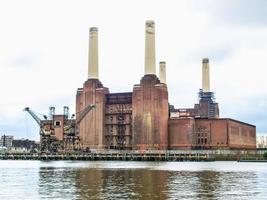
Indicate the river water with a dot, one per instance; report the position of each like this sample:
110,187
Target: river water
132,180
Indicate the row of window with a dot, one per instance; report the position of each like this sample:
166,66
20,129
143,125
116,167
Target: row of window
119,129
202,141
119,118
244,132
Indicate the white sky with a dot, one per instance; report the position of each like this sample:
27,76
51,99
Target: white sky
44,53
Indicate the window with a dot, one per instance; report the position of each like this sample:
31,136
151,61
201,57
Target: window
57,123
202,134
198,141
234,130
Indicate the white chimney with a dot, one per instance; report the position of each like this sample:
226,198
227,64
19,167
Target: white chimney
150,58
205,75
93,54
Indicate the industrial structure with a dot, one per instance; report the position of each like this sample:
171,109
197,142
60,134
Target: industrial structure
59,133
143,119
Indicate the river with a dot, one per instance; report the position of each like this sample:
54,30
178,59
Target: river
132,180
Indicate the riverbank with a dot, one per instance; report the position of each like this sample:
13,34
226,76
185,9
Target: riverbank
110,156
155,155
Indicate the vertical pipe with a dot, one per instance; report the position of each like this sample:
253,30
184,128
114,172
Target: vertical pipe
150,58
93,54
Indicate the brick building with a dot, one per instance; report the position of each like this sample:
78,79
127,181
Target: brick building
143,119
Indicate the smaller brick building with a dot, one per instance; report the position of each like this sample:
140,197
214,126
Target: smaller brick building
201,133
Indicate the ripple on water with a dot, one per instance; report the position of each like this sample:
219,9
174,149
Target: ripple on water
132,180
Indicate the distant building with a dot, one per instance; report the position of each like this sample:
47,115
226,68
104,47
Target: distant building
6,141
262,141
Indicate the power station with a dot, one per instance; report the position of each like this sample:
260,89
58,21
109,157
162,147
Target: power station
144,119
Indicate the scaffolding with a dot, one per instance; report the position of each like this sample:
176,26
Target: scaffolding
208,97
118,120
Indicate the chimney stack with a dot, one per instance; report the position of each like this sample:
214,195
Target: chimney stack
150,58
162,72
93,54
205,75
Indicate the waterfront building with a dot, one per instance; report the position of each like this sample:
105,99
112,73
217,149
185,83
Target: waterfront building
144,119
6,141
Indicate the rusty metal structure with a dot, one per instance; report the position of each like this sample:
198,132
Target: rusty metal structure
59,133
49,142
118,121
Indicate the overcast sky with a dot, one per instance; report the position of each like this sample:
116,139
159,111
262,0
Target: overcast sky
44,54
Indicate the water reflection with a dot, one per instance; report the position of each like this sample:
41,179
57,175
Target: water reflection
208,185
121,184
127,180
213,185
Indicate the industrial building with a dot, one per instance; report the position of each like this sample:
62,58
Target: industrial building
142,119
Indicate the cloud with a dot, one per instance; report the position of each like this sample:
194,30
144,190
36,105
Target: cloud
236,13
250,109
44,56
27,61
218,53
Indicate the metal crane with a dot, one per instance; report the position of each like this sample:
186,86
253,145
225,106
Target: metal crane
79,118
35,117
71,130
84,113
48,140
45,125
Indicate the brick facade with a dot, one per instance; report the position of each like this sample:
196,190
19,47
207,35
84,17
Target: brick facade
91,128
141,120
150,114
221,133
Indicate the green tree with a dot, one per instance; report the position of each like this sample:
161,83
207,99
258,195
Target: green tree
265,155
